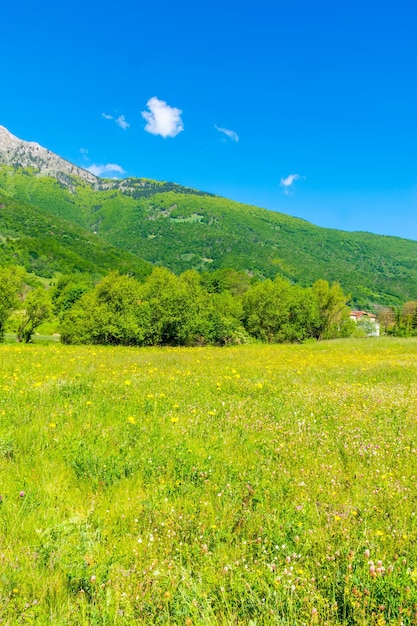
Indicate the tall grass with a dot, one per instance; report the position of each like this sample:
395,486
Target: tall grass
247,485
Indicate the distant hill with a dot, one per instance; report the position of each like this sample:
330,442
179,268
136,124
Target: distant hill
183,228
44,244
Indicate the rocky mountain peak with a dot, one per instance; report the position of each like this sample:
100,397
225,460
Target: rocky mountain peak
17,152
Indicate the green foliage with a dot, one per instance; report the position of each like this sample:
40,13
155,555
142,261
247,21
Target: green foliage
333,312
275,311
176,305
11,283
44,244
266,309
68,289
405,321
38,309
179,311
109,314
217,281
165,310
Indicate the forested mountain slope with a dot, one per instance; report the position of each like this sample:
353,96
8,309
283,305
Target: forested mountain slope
183,228
44,243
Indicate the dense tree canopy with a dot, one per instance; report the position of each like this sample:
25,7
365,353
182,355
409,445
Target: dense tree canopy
187,310
190,310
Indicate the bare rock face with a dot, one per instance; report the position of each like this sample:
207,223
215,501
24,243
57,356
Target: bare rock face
16,152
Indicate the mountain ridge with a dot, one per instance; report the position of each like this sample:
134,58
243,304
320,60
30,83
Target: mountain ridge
18,152
182,228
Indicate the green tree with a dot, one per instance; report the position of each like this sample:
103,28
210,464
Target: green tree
38,309
223,318
11,283
177,307
386,317
276,311
266,309
333,313
109,314
405,320
409,316
302,315
68,289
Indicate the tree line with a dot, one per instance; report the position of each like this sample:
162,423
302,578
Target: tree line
214,308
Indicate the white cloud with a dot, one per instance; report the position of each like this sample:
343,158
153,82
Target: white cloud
110,169
288,183
120,121
229,133
162,119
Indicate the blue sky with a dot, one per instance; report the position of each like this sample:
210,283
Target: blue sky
308,108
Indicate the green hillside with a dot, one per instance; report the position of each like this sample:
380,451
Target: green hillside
44,244
182,228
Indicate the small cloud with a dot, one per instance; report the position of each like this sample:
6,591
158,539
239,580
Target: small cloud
288,183
120,121
162,119
110,170
229,133
84,153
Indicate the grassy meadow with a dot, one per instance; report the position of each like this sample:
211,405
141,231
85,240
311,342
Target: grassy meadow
246,485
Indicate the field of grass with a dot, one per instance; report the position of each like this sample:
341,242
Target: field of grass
247,485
